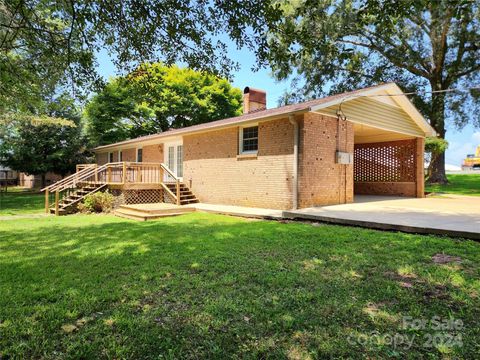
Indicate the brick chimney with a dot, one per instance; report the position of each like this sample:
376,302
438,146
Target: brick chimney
254,100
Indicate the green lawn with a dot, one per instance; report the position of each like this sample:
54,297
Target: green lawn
15,202
461,184
211,286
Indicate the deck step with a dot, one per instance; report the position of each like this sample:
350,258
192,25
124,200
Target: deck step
150,214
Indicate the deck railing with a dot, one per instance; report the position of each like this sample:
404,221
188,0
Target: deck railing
117,173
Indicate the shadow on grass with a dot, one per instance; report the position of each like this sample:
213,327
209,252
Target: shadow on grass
204,285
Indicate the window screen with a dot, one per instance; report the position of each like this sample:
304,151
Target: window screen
139,155
110,157
250,139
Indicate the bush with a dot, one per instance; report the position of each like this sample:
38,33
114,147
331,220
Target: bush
97,202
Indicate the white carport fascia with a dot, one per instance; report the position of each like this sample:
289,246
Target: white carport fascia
396,94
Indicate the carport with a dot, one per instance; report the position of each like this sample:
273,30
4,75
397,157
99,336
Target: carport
389,141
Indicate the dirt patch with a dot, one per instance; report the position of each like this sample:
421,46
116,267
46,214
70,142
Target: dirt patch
446,259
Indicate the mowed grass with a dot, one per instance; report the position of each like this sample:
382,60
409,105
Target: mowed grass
16,202
461,184
211,286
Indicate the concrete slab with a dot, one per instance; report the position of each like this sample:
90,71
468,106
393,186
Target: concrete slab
239,211
451,215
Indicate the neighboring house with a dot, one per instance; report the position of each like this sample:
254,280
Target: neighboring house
314,153
8,176
35,181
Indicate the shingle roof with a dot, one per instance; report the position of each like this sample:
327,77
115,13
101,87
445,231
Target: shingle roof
257,115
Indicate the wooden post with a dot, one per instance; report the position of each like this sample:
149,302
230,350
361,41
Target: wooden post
419,163
47,205
178,192
124,173
160,180
109,174
96,173
57,198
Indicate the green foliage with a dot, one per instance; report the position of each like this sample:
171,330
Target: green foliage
421,44
101,201
156,98
203,285
44,44
36,144
435,145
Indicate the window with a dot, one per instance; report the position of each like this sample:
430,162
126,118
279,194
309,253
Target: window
139,155
171,157
120,155
249,139
180,160
110,157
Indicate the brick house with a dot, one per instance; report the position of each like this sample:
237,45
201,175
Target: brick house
319,152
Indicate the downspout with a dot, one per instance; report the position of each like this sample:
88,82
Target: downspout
294,122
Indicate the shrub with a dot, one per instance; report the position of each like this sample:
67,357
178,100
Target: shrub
97,202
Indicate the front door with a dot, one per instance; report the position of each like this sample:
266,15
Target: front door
174,159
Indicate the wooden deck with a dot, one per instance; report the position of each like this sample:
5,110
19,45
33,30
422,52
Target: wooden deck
123,176
144,212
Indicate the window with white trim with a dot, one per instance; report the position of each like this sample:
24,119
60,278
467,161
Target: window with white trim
120,155
139,155
249,140
180,160
110,157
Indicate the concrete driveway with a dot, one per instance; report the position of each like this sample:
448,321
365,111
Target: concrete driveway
451,215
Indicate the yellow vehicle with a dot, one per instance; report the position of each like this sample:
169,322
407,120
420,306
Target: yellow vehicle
472,161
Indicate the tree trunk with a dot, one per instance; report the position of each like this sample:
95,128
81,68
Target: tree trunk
436,169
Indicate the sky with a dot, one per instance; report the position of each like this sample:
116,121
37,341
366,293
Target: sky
461,142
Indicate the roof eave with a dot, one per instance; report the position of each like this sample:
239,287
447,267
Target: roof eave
185,131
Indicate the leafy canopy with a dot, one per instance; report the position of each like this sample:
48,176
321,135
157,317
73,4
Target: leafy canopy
39,144
44,43
420,44
155,98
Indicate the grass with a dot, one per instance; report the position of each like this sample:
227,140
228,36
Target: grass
461,184
204,286
15,202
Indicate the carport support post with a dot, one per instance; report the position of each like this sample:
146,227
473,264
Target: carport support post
420,167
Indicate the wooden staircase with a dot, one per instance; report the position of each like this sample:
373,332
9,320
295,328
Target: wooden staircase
68,203
186,195
90,178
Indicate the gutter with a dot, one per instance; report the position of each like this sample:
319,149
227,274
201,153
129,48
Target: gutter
294,122
146,140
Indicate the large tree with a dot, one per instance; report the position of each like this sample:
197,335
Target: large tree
155,98
37,144
424,45
44,43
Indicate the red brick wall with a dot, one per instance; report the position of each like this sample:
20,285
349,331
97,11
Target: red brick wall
129,154
411,183
219,177
153,153
321,180
102,158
